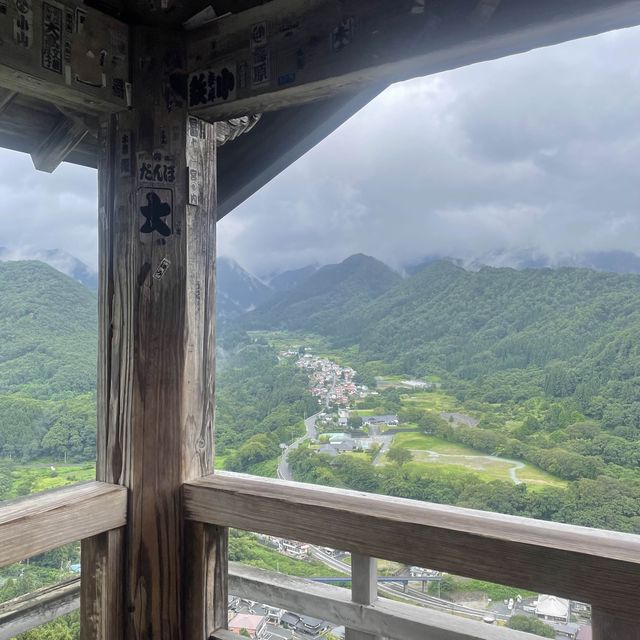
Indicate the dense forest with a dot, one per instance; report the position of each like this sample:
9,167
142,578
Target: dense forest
546,360
48,348
261,403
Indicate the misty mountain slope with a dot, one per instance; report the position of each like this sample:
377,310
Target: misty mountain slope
325,298
288,280
467,322
237,290
48,331
58,259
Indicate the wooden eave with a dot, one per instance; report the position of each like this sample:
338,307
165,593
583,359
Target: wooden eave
298,118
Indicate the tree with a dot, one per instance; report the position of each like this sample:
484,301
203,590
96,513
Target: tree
531,625
399,456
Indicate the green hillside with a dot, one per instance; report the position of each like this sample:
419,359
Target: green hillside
48,347
322,301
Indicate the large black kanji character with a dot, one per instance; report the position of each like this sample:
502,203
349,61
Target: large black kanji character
198,90
154,212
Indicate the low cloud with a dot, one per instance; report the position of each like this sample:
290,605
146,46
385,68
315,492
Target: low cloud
535,152
538,152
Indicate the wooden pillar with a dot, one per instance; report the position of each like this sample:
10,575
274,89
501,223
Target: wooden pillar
607,626
157,355
364,589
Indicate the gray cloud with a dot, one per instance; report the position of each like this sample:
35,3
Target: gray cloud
47,211
538,151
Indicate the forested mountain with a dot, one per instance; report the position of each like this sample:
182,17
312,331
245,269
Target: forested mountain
59,260
48,348
566,332
322,301
292,278
237,290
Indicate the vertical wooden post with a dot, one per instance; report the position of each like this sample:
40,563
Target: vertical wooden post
364,588
609,627
157,355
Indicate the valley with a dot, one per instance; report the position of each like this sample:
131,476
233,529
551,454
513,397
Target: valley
503,390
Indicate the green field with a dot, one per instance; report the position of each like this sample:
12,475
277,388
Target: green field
41,476
429,452
430,401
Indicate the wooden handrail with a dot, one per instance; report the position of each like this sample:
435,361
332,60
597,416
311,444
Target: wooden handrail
35,609
30,526
599,567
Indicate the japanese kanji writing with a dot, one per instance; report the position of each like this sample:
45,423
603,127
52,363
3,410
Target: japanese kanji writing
209,87
52,29
154,212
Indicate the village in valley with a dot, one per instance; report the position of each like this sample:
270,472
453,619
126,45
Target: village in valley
341,427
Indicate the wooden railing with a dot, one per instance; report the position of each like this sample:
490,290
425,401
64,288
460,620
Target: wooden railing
578,563
599,567
36,524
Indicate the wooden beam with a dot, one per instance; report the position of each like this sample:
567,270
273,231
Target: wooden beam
33,525
606,626
600,567
205,579
35,609
62,140
156,337
101,610
6,97
387,618
289,52
364,590
65,52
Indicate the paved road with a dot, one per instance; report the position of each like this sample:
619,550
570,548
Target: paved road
410,594
284,472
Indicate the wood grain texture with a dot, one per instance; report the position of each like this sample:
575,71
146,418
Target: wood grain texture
33,525
606,626
364,589
83,79
600,567
156,305
205,579
55,148
386,42
101,603
35,609
386,618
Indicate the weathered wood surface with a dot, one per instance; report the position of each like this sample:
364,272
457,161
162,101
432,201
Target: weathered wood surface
288,52
205,579
65,52
156,340
33,525
600,567
62,140
606,626
25,122
364,589
386,618
101,608
35,609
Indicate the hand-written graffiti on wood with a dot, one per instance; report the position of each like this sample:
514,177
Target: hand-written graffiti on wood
52,31
157,168
212,86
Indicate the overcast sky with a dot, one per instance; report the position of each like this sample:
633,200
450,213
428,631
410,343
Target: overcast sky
539,151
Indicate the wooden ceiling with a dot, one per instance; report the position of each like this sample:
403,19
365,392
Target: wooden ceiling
297,116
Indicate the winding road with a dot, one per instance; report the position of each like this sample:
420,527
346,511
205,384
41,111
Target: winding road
516,465
284,472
